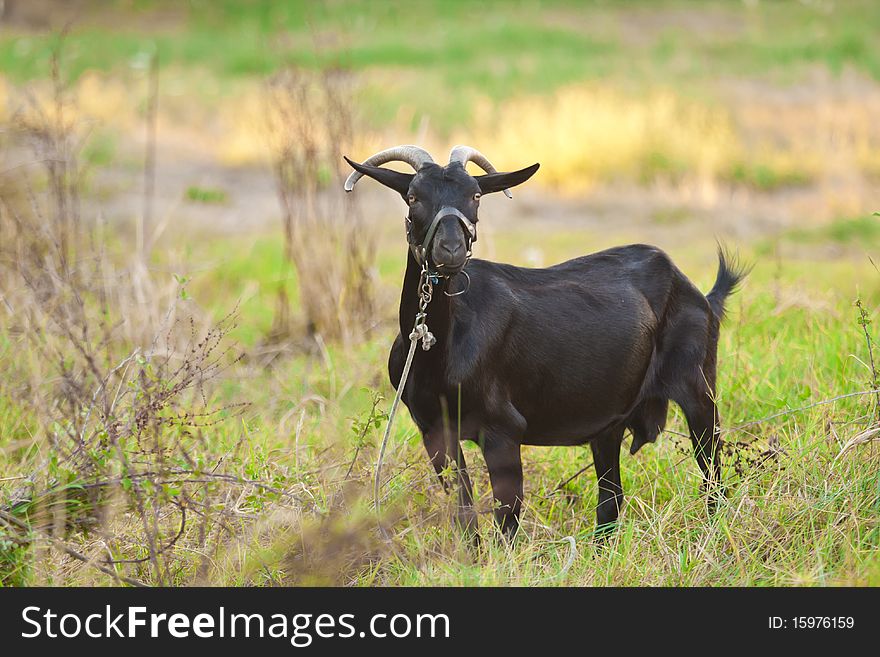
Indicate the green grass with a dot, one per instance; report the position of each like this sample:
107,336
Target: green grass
792,340
253,277
488,49
809,517
854,234
765,177
859,230
208,195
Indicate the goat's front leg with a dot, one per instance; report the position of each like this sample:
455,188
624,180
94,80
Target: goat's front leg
504,461
444,450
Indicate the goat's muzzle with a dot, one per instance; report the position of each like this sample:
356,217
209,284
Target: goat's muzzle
450,248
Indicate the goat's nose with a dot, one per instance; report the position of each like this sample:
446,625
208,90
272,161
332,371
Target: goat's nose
452,249
450,254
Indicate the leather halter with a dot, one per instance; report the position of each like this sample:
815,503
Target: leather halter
421,251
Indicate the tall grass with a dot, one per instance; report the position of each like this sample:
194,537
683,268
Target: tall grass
803,513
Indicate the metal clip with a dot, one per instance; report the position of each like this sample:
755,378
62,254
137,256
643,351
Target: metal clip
420,332
428,340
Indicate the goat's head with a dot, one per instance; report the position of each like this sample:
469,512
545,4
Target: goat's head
443,200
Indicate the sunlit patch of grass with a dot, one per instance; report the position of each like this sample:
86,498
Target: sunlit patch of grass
587,134
249,127
868,157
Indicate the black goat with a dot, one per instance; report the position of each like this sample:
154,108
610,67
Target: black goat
574,353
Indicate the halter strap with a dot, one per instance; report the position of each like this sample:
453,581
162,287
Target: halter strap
470,229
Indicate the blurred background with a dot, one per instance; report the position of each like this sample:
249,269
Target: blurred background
731,117
171,179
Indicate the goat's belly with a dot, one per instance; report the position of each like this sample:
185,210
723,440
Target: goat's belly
574,379
574,407
575,430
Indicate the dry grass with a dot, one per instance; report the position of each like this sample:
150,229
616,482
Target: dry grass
325,240
584,135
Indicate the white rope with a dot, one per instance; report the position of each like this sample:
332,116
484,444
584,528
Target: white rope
377,482
572,553
420,332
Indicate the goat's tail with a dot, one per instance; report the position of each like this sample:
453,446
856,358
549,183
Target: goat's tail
731,273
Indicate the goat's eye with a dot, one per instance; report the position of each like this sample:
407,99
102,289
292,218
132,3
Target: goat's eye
477,196
411,199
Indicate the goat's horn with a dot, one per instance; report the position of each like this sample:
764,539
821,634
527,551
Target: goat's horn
465,154
412,155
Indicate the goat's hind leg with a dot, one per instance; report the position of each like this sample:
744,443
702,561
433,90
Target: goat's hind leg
701,413
606,461
690,367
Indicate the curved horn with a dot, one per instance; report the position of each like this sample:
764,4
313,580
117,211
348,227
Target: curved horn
465,154
412,155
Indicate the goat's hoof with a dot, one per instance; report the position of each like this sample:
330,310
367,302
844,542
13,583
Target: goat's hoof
466,521
714,494
506,533
603,532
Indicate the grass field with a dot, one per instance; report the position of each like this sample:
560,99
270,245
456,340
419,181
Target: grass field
153,446
496,49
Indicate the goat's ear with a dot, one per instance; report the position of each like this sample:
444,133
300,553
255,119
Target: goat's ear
495,182
397,181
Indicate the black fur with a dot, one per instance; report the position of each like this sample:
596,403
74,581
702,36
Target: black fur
730,275
572,354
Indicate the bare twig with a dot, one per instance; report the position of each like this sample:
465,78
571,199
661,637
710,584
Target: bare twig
864,320
800,409
149,160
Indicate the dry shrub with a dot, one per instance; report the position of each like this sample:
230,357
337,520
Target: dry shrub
325,240
115,371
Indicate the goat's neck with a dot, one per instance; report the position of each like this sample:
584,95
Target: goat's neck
438,309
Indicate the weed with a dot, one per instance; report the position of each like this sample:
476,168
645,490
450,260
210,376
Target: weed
206,195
